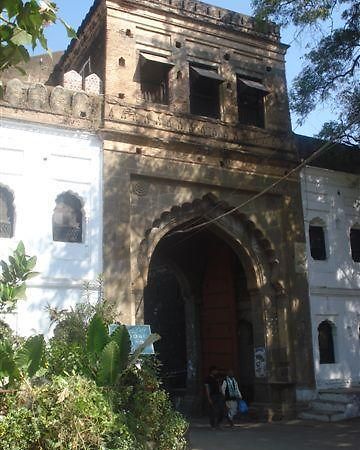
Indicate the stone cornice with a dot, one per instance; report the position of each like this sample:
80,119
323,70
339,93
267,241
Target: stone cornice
210,14
187,129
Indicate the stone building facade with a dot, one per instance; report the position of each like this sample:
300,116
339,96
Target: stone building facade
196,123
200,239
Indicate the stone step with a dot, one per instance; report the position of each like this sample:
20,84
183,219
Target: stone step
335,397
324,405
322,416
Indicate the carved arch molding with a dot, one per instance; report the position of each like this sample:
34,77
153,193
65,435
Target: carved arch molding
244,235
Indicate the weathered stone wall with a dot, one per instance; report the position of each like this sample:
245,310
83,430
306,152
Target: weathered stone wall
159,159
144,184
190,35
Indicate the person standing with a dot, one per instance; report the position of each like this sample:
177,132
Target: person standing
232,395
214,397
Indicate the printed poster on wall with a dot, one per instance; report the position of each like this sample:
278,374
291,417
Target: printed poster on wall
260,362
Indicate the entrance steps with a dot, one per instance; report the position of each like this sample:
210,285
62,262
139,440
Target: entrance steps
333,405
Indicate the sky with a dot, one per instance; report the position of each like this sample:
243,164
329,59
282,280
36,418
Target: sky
74,11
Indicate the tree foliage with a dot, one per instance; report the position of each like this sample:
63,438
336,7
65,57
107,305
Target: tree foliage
22,24
331,72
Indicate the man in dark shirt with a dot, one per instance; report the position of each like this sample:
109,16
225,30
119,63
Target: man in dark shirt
214,397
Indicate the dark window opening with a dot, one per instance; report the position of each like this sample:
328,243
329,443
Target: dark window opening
67,219
355,244
6,213
154,78
205,91
326,343
250,96
317,242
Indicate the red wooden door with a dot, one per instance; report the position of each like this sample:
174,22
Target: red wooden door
218,314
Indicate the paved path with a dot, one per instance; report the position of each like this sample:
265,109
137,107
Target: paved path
291,435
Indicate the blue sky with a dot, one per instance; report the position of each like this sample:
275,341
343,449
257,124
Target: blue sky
73,12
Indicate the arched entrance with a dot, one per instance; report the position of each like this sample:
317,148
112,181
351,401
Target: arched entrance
224,279
197,299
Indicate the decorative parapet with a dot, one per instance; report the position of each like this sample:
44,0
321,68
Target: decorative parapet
214,14
62,105
73,81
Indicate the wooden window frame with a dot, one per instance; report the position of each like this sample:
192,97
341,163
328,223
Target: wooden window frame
251,95
204,91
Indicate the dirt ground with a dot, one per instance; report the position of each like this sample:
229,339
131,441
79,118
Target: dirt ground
290,435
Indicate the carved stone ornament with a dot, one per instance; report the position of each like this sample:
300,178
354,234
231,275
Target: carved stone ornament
81,105
60,100
15,92
37,96
140,189
72,81
93,84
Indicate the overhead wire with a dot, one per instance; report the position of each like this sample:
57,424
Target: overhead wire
306,161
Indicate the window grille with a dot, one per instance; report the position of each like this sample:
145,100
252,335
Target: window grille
6,213
68,219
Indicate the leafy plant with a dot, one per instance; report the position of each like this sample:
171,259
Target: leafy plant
22,24
13,277
17,364
70,413
109,353
93,394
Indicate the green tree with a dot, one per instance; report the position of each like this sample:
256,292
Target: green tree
22,24
331,71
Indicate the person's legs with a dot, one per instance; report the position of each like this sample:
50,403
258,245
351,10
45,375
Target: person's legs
212,414
231,410
219,406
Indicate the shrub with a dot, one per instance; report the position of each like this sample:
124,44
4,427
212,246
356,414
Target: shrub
69,413
90,395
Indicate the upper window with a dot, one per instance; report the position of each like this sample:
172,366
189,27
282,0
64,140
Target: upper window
68,219
7,211
250,94
326,342
205,91
355,243
154,78
317,241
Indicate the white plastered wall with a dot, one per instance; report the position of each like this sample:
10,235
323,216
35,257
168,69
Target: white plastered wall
38,163
334,198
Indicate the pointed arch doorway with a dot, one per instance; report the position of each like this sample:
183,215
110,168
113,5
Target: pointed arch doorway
197,299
